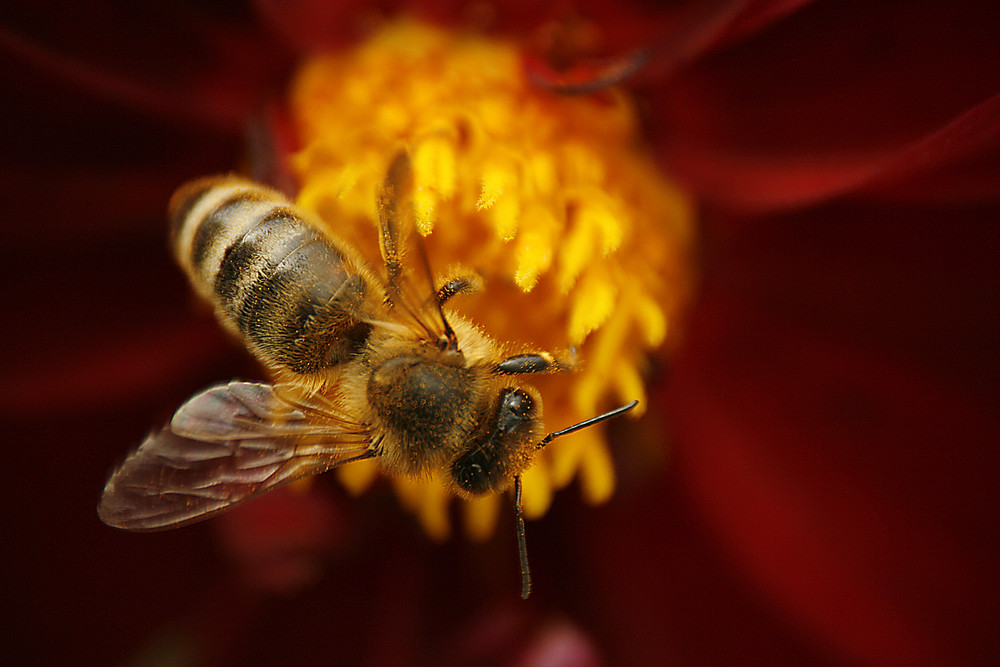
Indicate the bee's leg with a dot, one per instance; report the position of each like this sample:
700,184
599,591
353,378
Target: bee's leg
458,285
522,546
539,362
369,453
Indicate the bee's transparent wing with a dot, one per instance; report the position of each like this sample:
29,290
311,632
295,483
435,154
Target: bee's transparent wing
242,410
223,447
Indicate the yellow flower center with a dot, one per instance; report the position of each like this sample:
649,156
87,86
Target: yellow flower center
581,242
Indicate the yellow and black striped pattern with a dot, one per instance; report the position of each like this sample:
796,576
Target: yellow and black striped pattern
294,295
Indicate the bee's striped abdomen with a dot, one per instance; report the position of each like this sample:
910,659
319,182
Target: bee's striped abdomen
292,293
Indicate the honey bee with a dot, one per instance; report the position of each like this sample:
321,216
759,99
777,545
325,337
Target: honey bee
365,366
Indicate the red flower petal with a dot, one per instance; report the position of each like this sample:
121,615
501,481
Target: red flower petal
279,542
164,59
697,28
837,429
959,163
828,99
755,183
114,367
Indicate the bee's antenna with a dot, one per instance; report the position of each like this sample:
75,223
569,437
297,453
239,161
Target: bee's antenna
522,545
585,423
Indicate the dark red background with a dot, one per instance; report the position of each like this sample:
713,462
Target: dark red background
827,492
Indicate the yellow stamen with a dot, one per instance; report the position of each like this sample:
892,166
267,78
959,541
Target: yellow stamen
481,516
537,489
581,241
535,247
428,499
358,476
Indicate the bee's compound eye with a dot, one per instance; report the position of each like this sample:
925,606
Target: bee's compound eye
519,403
474,472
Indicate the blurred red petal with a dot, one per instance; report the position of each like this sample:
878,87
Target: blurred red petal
665,595
279,541
62,134
559,645
698,28
959,163
635,43
88,204
837,426
170,71
306,25
756,15
97,319
818,522
755,183
310,25
827,99
116,368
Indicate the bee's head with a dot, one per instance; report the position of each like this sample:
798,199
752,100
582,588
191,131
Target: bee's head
504,447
